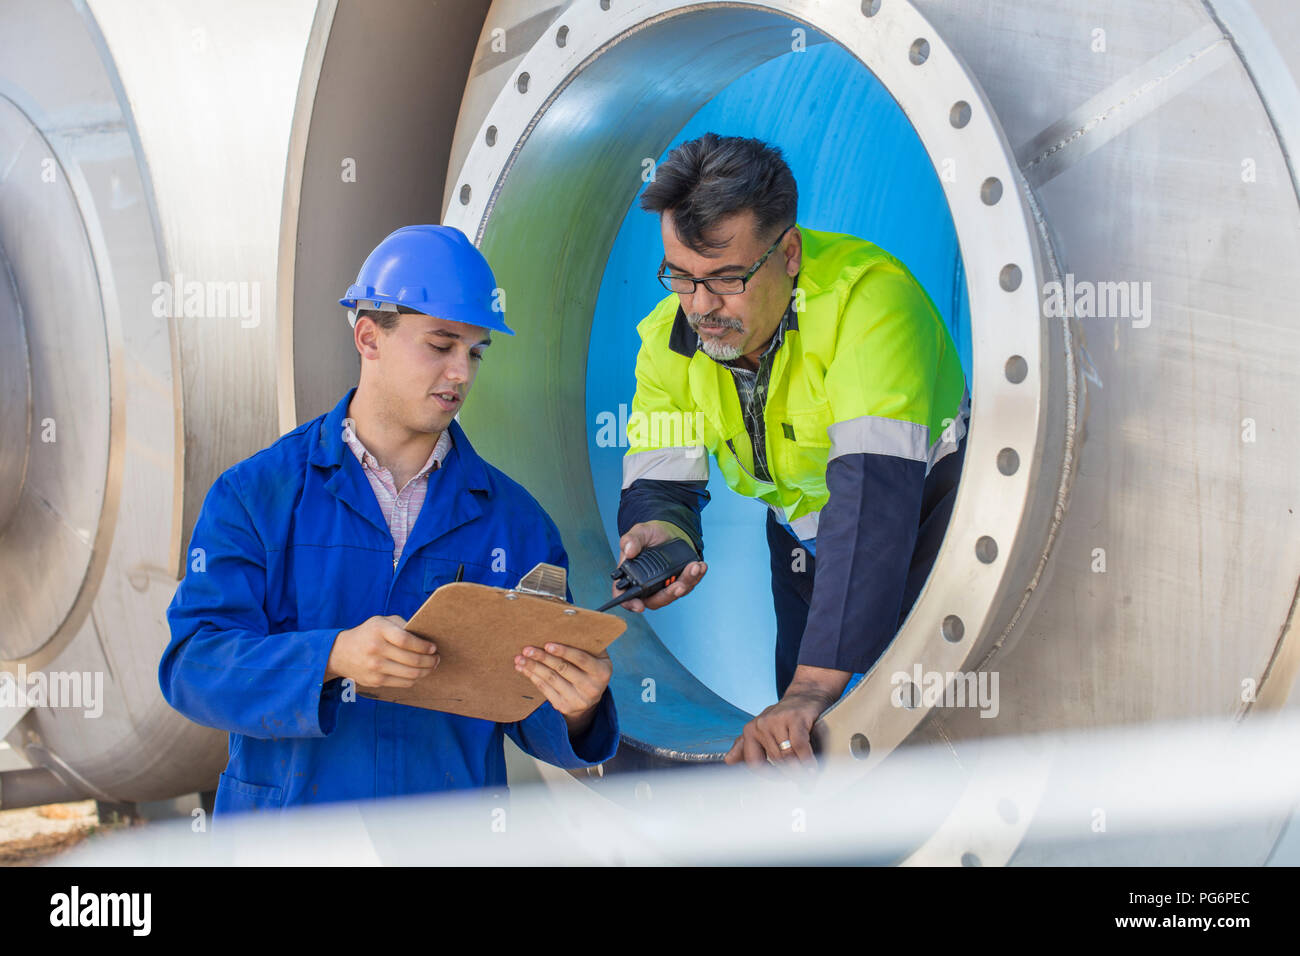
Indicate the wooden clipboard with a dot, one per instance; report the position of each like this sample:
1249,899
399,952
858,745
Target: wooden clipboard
479,630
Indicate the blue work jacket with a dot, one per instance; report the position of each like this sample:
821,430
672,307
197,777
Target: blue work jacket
290,548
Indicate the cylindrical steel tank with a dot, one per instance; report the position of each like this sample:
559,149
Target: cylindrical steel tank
134,171
149,152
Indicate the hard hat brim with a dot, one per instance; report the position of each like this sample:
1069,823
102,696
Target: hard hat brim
485,319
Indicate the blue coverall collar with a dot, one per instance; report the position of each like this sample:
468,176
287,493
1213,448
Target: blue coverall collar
331,449
447,505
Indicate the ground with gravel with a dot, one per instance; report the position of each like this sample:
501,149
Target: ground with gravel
35,835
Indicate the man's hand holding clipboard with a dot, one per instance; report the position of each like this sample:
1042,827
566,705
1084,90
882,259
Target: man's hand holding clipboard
492,653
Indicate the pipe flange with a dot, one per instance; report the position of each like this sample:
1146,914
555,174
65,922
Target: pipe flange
598,58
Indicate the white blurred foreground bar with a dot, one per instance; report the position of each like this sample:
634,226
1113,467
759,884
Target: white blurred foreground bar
1185,793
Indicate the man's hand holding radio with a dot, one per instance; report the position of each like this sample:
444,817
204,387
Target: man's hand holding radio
649,534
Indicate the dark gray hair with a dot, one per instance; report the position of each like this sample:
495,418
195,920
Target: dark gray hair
709,178
384,319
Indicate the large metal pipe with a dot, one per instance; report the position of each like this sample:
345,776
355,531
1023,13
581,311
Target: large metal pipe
150,153
369,149
36,787
1098,556
143,154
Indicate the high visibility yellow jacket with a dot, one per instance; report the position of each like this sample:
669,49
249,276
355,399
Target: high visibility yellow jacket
866,376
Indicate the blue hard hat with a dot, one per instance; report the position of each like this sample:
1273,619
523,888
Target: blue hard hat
431,269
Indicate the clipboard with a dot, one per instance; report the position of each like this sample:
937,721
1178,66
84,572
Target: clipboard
479,630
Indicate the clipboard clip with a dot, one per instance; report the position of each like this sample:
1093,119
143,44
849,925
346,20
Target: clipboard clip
544,580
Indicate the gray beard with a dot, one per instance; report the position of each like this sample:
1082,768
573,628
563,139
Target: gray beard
714,349
719,351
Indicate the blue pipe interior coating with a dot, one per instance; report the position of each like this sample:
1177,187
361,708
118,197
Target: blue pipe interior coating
861,170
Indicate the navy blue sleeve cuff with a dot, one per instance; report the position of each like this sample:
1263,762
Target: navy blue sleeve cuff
865,538
677,502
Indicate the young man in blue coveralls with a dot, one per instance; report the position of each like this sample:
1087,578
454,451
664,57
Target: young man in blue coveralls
311,555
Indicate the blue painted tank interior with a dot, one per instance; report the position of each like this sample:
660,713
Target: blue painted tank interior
862,170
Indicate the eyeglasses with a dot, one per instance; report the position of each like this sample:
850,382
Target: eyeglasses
718,285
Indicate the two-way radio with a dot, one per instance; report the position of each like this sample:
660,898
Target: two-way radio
650,571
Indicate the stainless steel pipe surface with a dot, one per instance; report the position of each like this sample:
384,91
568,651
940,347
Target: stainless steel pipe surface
35,787
142,151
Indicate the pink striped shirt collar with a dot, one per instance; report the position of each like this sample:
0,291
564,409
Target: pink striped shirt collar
399,506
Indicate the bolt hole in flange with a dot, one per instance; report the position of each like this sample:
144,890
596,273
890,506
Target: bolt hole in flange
860,747
1009,278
